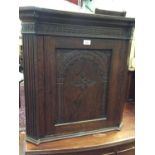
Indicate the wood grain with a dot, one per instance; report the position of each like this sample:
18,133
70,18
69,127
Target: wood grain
115,140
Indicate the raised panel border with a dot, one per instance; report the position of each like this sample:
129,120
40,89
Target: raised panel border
94,54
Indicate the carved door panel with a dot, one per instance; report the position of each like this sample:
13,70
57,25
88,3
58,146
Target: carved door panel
82,79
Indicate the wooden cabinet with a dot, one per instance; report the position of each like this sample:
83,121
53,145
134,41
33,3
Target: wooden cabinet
75,70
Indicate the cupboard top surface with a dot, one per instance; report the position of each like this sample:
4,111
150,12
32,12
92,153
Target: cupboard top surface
42,14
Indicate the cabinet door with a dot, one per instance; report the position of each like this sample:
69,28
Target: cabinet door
84,84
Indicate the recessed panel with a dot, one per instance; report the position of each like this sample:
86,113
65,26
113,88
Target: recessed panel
82,84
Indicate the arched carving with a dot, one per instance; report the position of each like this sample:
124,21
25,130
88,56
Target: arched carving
68,57
80,73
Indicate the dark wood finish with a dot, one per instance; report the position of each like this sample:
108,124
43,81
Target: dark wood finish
114,142
110,13
131,87
73,88
83,76
129,151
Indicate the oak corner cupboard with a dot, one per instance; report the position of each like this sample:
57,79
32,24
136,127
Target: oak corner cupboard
75,70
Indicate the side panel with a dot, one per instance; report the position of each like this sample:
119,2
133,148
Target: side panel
34,85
